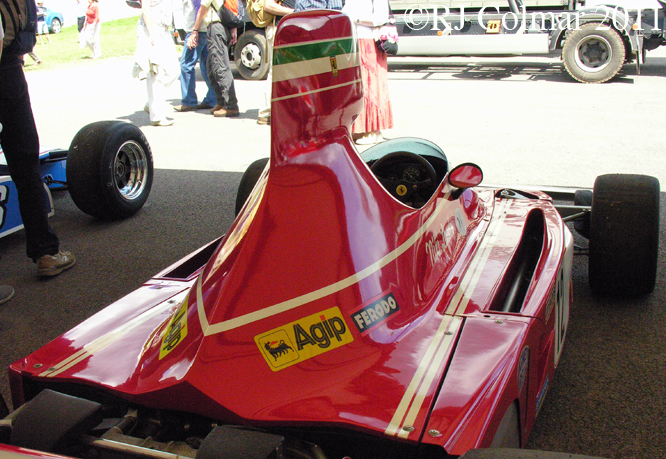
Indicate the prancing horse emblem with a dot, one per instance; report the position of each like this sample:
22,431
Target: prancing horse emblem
279,349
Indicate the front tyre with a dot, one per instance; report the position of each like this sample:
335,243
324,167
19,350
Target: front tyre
109,169
250,55
594,53
624,234
248,181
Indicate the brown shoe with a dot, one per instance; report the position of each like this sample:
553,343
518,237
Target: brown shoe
264,120
216,108
185,108
227,112
203,106
51,265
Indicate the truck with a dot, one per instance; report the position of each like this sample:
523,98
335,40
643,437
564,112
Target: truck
594,40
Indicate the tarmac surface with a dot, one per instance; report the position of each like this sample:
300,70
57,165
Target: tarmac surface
521,119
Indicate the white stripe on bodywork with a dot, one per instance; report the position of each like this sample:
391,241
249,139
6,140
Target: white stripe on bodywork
101,342
417,390
315,91
316,294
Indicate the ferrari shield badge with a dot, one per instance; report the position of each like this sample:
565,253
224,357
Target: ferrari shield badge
303,339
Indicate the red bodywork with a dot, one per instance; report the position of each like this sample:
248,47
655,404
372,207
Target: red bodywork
331,304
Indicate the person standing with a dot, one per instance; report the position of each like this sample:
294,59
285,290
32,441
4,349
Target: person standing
42,28
155,58
20,143
278,9
92,29
188,62
6,291
81,8
376,114
218,66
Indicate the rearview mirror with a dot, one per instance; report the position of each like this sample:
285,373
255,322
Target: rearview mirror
466,175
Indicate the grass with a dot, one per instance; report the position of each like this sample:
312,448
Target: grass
118,38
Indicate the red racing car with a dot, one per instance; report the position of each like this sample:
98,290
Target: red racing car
376,306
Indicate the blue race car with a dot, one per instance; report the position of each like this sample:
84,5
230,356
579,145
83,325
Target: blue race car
108,171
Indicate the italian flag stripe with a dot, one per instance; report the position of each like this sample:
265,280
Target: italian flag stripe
304,69
312,50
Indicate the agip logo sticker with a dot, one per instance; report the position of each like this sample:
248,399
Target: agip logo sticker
176,331
303,339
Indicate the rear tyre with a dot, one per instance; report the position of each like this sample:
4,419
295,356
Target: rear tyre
594,53
250,55
508,431
4,410
110,169
624,235
248,181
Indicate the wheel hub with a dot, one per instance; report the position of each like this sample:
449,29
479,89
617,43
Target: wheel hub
251,56
130,170
594,53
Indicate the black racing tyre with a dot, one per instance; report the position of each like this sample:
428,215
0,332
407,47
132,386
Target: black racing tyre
4,410
250,55
594,53
624,235
249,179
109,169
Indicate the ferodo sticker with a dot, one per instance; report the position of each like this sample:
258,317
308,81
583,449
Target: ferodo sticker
303,339
176,331
375,313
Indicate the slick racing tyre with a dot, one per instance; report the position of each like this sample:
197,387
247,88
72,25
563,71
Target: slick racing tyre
110,169
249,179
624,234
250,55
4,411
594,53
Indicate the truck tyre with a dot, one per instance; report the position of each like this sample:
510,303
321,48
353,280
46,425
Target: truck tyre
109,169
249,179
594,53
250,55
624,234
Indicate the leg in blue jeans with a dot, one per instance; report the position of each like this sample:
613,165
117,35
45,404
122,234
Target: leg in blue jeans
188,61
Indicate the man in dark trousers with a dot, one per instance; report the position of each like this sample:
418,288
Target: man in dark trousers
20,144
220,38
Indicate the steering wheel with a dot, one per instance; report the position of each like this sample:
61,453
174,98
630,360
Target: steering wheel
409,177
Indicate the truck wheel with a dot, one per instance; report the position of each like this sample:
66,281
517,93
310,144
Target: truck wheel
624,234
248,181
109,169
250,55
594,53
